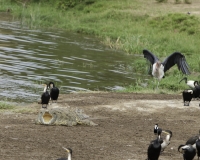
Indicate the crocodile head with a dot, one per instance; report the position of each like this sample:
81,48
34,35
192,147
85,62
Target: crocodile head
46,117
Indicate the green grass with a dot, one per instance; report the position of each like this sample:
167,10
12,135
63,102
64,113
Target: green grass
6,106
128,25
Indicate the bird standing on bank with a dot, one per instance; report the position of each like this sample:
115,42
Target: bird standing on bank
69,151
166,141
54,91
154,148
190,83
45,97
195,142
188,151
159,68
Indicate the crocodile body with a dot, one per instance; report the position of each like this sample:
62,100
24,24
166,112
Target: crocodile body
63,116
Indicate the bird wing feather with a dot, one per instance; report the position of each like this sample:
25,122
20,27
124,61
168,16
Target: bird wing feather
151,58
192,140
176,58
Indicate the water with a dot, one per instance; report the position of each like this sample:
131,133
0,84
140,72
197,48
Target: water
73,61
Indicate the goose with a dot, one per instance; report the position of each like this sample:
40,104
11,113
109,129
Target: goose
69,151
45,97
54,91
159,68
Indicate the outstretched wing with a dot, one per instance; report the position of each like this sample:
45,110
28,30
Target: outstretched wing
176,58
151,58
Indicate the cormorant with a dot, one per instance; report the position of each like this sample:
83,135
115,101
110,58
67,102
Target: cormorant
188,151
154,148
166,141
195,142
54,91
159,68
69,151
45,97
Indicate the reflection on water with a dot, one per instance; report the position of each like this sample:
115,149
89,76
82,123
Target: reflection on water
74,62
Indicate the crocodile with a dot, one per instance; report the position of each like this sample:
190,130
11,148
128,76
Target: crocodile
63,116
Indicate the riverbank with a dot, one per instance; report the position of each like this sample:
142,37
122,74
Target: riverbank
125,128
129,26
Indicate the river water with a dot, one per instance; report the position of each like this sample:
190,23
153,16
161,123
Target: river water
73,61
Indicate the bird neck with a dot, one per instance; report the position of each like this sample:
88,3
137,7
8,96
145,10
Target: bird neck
45,88
69,156
167,138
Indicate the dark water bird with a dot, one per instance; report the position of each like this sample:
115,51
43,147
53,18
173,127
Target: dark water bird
159,68
154,148
166,141
188,151
188,94
155,129
195,142
69,151
45,97
190,83
54,91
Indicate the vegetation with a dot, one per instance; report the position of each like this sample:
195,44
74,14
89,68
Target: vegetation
124,25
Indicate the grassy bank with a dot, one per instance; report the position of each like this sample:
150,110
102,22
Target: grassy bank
127,25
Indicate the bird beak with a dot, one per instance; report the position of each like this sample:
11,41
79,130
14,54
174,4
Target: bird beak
65,149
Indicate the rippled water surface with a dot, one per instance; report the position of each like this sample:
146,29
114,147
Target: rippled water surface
73,61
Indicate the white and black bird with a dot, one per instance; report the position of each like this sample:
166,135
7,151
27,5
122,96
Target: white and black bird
195,142
188,151
154,148
54,91
155,130
159,68
190,83
188,94
166,140
69,157
45,97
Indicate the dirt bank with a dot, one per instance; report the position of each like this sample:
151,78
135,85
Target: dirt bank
125,128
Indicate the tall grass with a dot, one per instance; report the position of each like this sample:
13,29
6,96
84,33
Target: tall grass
128,25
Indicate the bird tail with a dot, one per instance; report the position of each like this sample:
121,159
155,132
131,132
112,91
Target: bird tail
185,78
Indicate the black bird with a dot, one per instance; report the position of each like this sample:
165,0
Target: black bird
190,83
195,142
155,129
54,91
154,148
159,68
45,97
191,93
69,151
188,151
187,96
166,141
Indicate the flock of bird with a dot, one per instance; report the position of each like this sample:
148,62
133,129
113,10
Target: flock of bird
158,69
46,96
157,146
